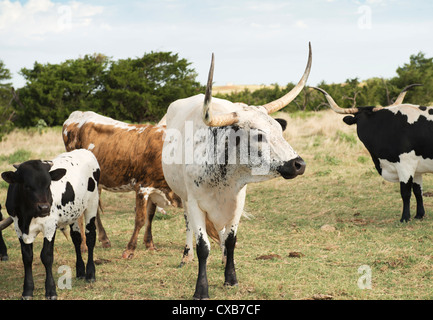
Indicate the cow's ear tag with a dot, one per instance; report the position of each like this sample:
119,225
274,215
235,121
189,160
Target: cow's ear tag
57,174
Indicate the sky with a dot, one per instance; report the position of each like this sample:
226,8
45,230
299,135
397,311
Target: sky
254,42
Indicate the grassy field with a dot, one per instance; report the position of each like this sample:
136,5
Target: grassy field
304,239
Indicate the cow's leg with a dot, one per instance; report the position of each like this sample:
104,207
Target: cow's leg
3,249
77,241
150,213
83,246
47,258
102,235
198,223
223,246
417,191
405,191
140,218
27,255
90,241
229,240
230,273
188,253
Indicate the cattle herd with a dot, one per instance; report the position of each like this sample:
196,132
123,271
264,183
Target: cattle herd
201,156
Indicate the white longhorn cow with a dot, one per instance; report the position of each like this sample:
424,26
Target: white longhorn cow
213,148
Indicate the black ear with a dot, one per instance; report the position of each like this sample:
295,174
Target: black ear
57,174
282,122
349,120
9,177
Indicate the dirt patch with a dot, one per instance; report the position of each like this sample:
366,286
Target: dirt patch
269,257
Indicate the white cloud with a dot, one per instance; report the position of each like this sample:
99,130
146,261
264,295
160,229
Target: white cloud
264,7
254,41
37,18
301,24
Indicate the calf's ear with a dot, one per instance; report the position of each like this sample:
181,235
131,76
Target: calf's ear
9,177
57,174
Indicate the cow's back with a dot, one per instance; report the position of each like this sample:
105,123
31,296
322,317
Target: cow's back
128,154
394,131
78,189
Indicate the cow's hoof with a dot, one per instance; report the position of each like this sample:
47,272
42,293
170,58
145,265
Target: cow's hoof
151,247
185,261
4,258
231,284
51,297
91,280
201,294
128,254
106,244
27,298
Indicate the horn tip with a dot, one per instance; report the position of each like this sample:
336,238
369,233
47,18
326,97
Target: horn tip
411,86
321,90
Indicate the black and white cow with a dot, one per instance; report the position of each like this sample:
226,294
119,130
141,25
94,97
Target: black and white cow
400,139
47,195
3,249
214,148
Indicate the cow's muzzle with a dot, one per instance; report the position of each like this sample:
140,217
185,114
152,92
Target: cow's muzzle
43,209
291,169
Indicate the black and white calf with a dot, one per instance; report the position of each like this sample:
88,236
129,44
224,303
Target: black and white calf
400,139
47,195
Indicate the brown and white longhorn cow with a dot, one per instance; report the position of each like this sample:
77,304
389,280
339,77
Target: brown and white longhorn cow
130,159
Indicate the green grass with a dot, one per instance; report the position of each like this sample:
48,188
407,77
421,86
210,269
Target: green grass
18,156
285,217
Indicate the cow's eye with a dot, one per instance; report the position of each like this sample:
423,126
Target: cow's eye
28,188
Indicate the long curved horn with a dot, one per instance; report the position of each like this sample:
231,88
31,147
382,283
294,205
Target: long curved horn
334,106
400,97
6,223
402,94
209,119
280,103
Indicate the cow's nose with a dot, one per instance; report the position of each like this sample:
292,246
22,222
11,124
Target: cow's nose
291,169
43,209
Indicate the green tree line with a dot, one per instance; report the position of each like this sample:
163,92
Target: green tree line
140,89
353,93
135,90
